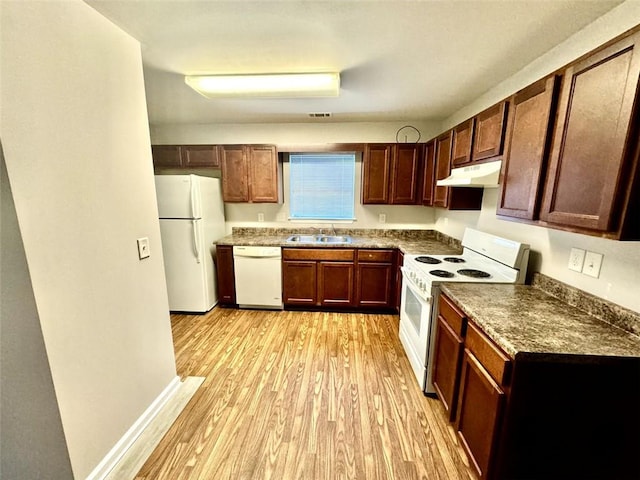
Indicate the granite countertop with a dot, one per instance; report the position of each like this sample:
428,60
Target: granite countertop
528,323
408,242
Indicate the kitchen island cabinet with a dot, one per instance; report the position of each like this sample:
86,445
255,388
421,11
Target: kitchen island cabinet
545,390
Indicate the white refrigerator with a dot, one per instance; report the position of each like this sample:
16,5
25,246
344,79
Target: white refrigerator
191,215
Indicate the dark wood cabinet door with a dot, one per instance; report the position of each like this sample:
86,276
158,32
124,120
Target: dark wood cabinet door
375,285
200,156
588,164
405,173
443,168
263,173
225,275
446,366
376,171
299,285
167,155
529,131
462,143
428,177
335,284
488,137
479,413
235,173
399,263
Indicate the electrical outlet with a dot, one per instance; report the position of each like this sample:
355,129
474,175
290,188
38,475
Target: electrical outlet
576,259
261,217
592,264
143,248
382,218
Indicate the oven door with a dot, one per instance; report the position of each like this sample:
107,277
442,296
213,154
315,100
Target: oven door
415,325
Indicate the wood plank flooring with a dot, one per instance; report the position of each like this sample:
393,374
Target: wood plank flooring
302,395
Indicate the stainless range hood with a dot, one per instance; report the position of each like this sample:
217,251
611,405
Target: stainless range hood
481,175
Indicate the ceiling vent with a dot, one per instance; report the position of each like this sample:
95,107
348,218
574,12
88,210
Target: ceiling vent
320,114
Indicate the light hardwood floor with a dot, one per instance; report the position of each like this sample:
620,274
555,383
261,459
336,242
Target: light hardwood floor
302,395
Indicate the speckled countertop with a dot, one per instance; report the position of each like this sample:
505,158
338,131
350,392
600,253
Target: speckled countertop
528,323
408,241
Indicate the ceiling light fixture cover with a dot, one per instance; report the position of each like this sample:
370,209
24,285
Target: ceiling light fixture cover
266,85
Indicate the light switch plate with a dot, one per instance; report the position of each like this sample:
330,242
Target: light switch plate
143,248
576,259
261,217
592,264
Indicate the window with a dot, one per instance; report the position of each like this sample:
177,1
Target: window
322,186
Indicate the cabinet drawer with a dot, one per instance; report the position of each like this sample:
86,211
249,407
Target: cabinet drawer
335,254
451,315
494,360
381,256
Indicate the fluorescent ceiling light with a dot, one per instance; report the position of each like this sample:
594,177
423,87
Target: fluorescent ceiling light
266,85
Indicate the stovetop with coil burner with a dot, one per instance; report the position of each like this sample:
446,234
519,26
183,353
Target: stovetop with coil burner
485,258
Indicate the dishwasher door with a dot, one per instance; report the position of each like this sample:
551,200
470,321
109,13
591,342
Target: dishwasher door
258,277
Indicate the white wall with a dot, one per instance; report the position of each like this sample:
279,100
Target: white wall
620,276
76,143
32,442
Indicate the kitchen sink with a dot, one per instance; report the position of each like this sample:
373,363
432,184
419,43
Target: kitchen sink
319,239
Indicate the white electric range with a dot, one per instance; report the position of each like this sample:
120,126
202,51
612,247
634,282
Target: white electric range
485,258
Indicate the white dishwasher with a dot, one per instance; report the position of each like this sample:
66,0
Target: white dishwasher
258,276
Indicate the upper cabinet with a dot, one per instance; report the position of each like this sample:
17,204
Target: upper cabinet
185,156
428,177
488,137
452,198
529,130
579,172
376,171
480,138
250,173
592,177
391,173
462,141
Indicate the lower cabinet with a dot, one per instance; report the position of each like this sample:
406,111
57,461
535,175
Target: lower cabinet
339,278
318,277
335,283
448,353
536,416
225,275
375,278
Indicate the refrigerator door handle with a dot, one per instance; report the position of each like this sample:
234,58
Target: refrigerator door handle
196,240
192,198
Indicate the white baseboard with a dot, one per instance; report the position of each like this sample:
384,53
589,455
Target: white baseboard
120,448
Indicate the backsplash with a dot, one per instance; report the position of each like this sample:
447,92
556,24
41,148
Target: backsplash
606,311
384,233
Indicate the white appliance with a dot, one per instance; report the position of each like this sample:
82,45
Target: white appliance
258,275
191,219
485,258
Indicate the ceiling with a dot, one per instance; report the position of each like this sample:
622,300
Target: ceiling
399,60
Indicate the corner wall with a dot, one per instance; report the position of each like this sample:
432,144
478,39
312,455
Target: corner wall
75,133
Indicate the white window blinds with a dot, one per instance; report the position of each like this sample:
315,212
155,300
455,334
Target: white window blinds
322,186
